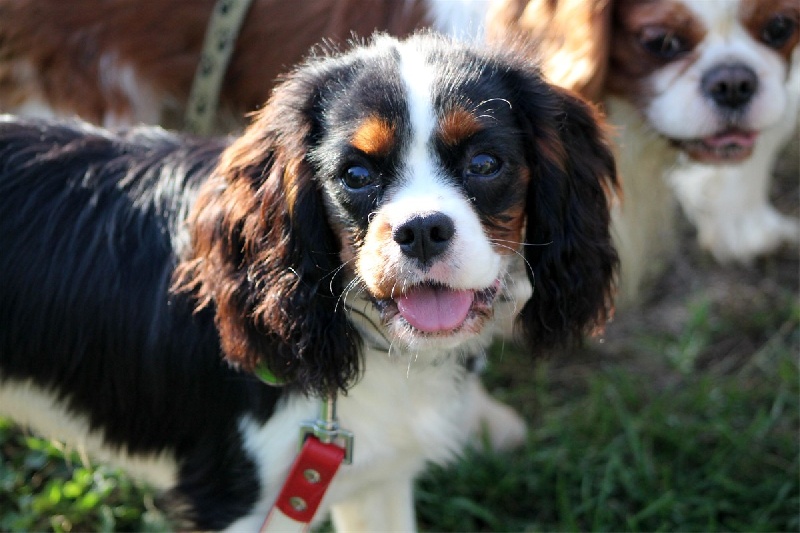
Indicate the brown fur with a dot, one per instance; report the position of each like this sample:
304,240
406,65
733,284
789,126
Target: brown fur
68,45
374,137
630,62
457,126
756,14
572,37
251,243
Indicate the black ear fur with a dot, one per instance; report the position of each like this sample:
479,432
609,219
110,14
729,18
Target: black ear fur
570,252
264,255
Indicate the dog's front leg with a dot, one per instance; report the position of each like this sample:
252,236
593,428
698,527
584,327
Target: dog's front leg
388,507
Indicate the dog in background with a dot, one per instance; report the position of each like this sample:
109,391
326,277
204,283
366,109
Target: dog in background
363,235
124,62
704,80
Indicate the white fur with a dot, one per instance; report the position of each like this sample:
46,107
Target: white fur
35,108
464,19
424,189
643,222
143,103
680,110
730,204
405,412
44,412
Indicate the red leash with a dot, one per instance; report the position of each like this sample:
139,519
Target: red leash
309,478
324,448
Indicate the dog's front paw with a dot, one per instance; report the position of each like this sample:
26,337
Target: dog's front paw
750,234
492,422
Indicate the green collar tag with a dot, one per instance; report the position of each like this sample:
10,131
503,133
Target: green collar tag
265,374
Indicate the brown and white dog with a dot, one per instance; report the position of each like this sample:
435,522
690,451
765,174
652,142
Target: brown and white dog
362,235
123,62
706,80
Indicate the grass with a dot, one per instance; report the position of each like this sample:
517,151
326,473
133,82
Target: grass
686,418
44,487
707,453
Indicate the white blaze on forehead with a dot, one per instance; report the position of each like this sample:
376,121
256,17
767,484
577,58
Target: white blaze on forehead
424,187
418,76
717,16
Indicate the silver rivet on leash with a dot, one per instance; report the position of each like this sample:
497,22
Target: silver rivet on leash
298,503
312,476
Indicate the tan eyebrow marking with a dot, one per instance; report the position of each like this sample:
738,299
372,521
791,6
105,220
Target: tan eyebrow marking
375,136
458,125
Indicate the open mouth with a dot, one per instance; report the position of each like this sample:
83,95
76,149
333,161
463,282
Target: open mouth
437,309
729,146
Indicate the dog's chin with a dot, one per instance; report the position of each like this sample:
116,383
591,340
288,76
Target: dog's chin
435,315
726,147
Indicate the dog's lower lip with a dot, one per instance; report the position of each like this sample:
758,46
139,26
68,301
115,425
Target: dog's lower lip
729,146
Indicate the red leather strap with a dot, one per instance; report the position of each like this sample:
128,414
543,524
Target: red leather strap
308,480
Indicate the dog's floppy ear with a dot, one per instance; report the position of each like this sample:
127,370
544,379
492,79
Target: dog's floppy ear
572,262
264,255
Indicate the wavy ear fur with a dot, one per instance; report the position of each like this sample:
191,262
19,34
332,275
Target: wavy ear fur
263,253
573,179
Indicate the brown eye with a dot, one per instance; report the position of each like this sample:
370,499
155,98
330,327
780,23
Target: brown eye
357,177
483,166
778,31
663,43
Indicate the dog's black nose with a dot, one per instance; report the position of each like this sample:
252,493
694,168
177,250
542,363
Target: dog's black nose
730,86
424,237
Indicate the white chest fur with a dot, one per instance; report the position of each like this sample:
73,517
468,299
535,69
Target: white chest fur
403,414
643,223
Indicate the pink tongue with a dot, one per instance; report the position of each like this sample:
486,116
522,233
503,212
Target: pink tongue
739,138
435,309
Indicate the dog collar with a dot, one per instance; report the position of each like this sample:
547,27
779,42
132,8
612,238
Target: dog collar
263,373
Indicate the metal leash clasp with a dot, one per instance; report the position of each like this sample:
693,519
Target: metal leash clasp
326,429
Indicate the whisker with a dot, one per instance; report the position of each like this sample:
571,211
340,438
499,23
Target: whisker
516,252
369,320
515,307
343,297
530,268
522,243
333,273
490,100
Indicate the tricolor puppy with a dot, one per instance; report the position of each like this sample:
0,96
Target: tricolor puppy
364,235
709,80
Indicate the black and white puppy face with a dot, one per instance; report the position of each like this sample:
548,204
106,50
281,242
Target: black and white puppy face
708,74
424,169
387,191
